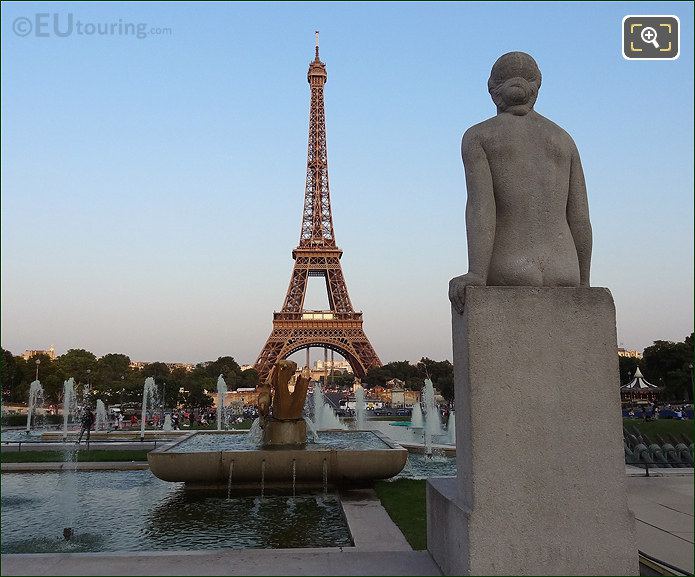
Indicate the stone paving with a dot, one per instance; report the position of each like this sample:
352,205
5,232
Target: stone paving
663,508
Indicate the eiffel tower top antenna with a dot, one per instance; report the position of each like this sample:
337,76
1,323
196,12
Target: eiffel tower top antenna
317,44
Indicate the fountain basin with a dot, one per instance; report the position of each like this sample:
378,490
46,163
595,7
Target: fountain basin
373,456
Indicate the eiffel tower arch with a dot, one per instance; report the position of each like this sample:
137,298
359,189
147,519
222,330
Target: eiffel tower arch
339,328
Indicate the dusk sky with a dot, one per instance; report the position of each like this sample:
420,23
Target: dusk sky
152,187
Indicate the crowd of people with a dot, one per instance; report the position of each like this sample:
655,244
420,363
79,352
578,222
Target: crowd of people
653,411
180,418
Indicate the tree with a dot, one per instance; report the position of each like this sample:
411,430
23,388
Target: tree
158,371
401,370
376,377
195,397
228,368
249,378
441,373
8,373
112,367
77,363
628,366
669,365
342,380
111,372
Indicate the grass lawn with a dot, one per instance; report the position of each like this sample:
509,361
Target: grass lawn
404,500
82,455
661,427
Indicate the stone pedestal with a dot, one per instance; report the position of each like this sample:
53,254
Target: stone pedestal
541,474
278,433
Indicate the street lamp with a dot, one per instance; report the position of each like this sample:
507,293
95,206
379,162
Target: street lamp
164,389
38,362
88,386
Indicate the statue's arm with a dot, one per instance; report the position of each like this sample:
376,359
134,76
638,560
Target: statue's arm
578,218
480,218
480,207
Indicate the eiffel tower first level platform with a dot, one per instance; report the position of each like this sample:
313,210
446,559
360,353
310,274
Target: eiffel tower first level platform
338,329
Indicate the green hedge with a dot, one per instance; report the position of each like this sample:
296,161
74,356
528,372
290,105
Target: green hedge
20,420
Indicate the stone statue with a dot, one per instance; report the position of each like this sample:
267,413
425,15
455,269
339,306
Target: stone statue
527,216
286,392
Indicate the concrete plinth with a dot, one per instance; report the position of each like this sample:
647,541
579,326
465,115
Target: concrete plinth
541,485
278,433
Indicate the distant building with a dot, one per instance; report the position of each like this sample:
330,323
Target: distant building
395,384
380,393
337,366
246,367
50,353
403,397
246,396
622,352
188,367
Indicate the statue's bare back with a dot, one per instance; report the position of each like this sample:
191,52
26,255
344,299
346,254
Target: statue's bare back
527,215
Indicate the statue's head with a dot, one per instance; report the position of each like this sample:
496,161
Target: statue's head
514,82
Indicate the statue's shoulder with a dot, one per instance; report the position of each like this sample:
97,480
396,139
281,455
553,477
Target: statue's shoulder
478,133
481,129
555,129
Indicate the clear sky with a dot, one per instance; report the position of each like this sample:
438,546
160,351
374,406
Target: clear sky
152,188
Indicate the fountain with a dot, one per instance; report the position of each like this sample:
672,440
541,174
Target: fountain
311,429
166,427
35,401
428,440
275,450
102,418
149,392
451,428
416,420
433,425
360,407
69,404
324,416
221,391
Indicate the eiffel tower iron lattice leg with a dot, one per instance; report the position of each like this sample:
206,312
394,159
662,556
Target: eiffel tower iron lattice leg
339,328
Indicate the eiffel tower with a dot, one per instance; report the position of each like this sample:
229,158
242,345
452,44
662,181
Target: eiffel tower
338,329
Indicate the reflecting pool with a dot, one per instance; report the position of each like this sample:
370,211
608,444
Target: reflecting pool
135,511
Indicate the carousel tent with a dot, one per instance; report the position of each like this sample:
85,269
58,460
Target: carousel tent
639,388
639,383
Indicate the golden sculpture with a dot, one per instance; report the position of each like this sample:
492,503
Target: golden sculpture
285,391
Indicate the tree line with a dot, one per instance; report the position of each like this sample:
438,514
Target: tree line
666,364
112,379
441,373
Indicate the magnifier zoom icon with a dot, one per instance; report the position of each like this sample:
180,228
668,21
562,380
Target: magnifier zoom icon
648,35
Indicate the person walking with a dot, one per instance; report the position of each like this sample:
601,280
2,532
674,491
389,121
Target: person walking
88,419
